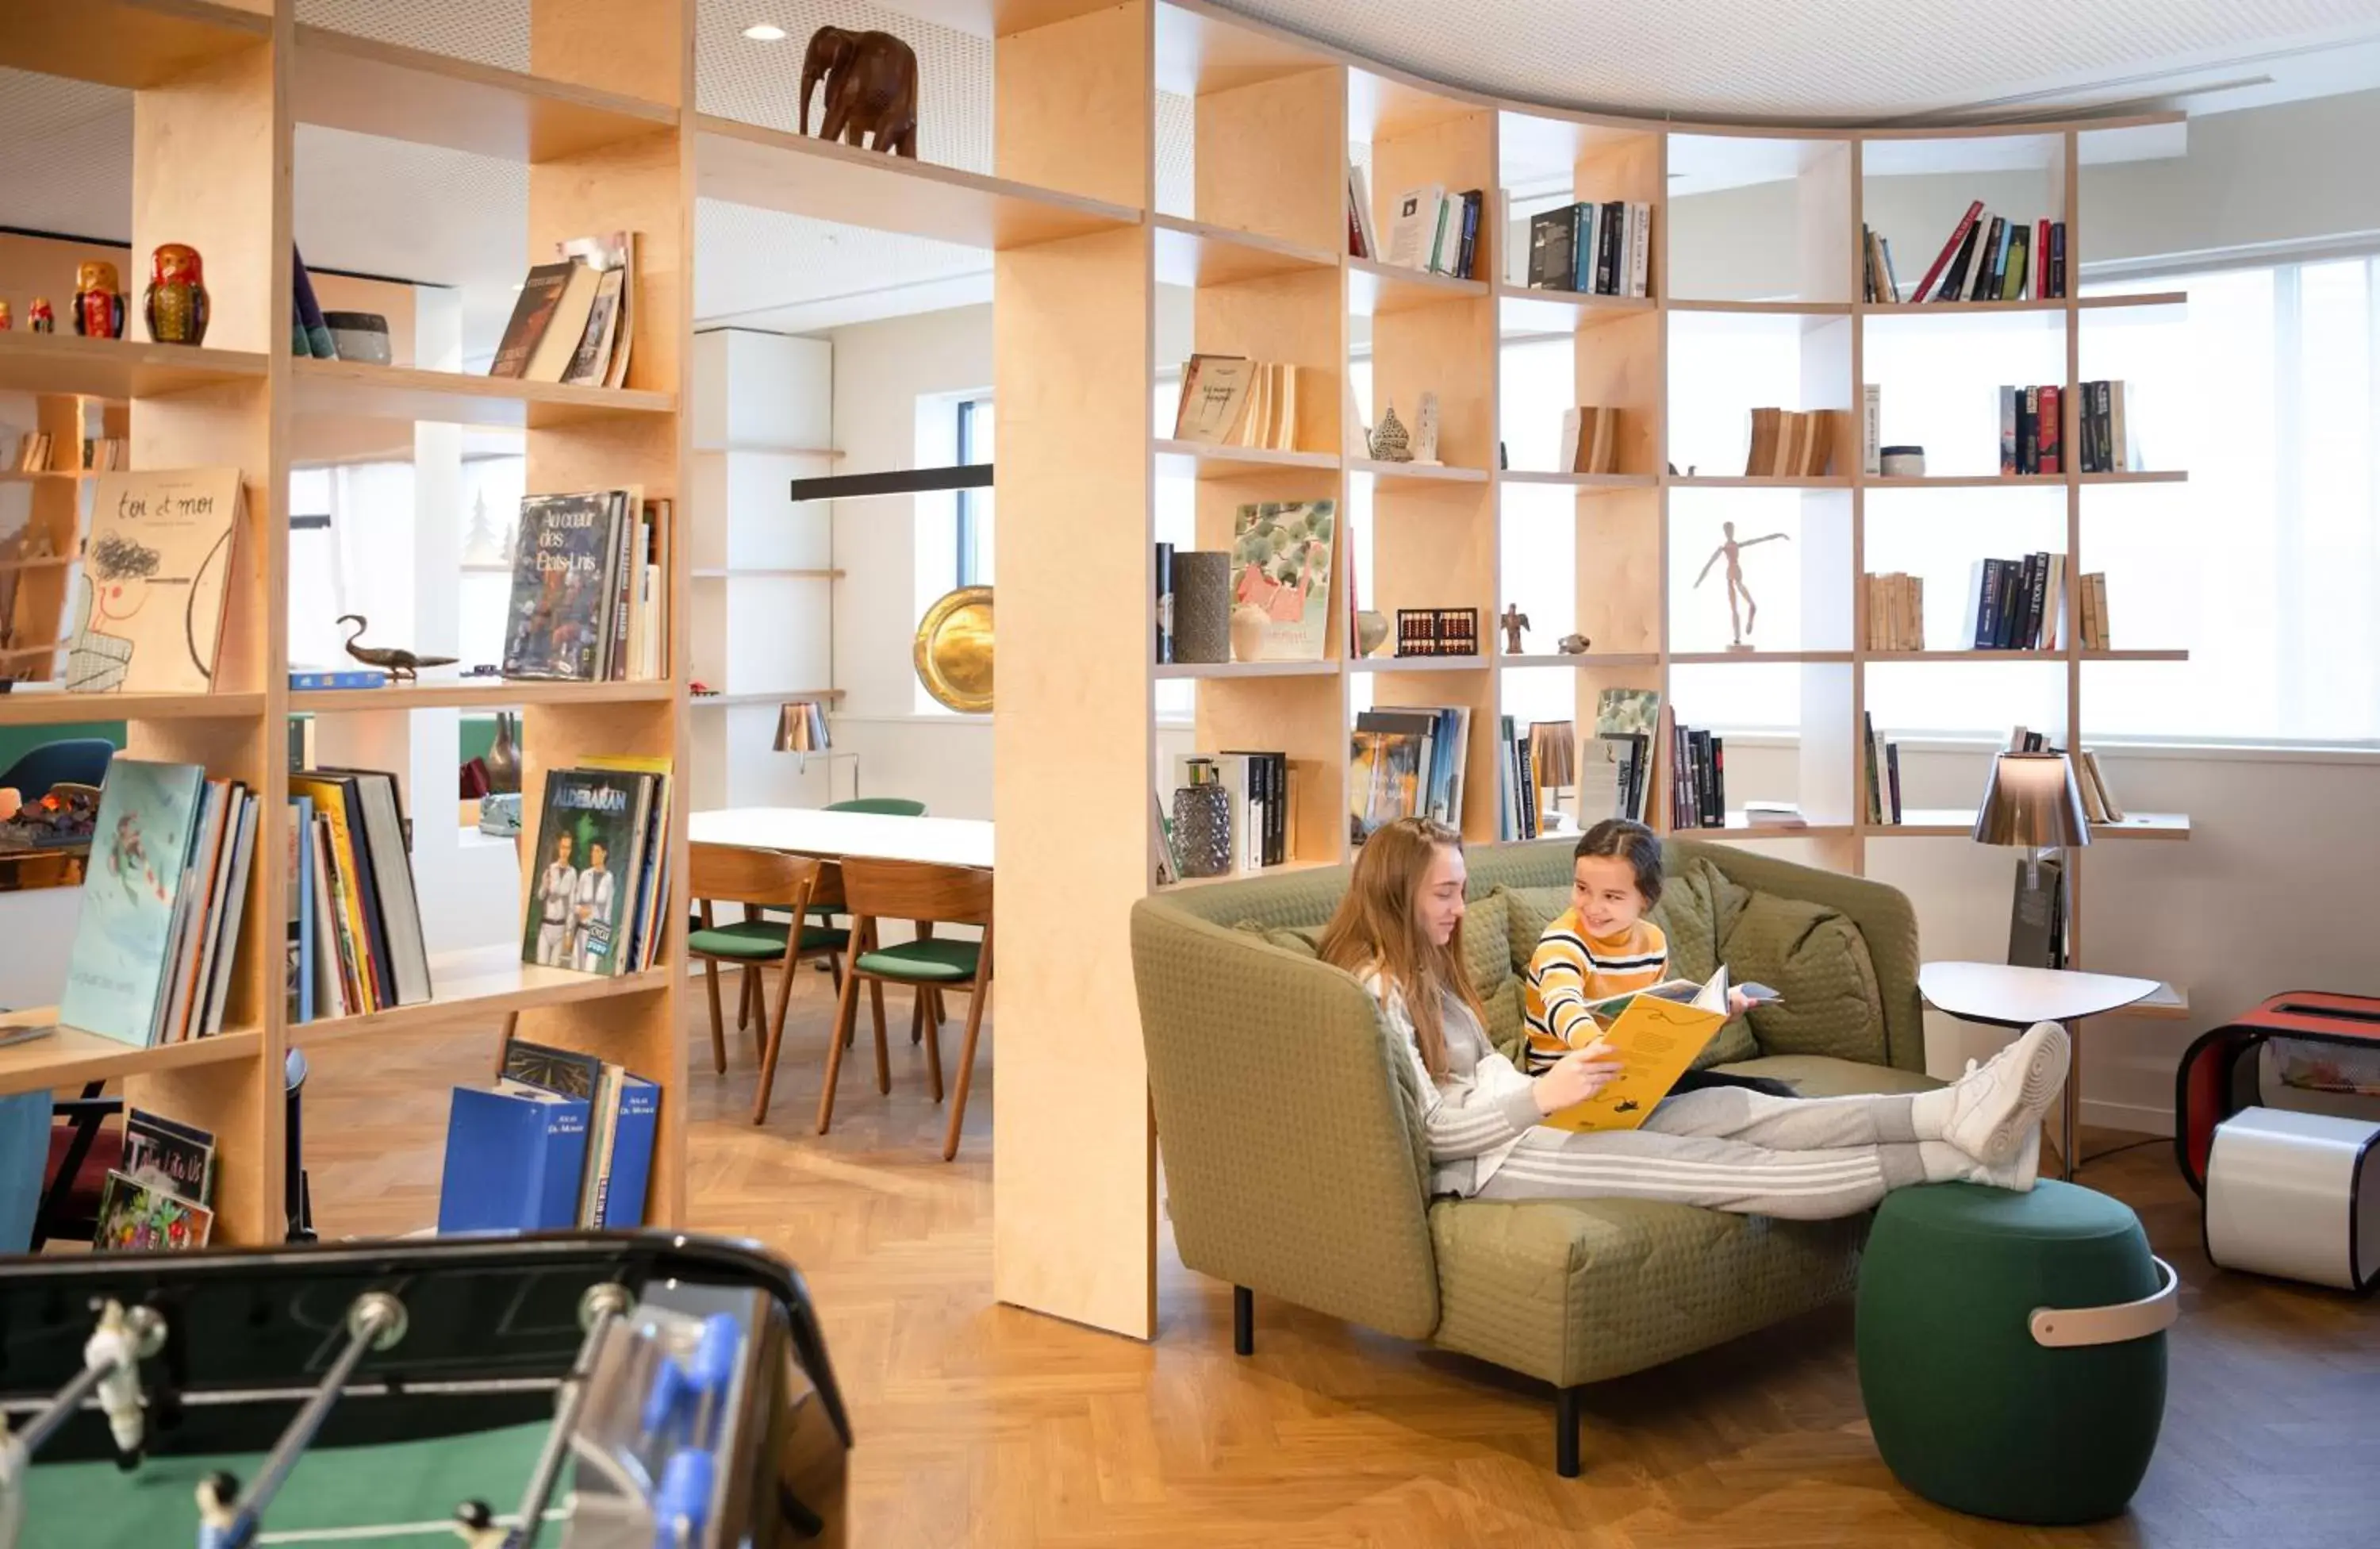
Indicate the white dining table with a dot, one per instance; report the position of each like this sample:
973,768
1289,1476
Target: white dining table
833,836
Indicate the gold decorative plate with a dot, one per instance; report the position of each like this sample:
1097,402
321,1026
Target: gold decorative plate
954,650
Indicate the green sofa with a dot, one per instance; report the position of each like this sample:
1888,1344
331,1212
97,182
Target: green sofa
1295,1163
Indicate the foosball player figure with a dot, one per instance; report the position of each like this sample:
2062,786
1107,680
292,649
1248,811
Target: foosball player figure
113,1346
475,1526
218,1495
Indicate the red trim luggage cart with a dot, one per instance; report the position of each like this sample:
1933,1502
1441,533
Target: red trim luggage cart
2217,1077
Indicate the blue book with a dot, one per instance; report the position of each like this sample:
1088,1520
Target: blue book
132,897
514,1156
621,1198
301,904
357,677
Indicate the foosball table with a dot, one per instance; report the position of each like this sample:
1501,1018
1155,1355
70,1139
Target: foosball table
580,1392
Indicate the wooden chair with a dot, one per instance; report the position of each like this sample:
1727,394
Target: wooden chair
732,874
874,890
883,806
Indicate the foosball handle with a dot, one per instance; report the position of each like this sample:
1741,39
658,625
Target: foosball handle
683,1503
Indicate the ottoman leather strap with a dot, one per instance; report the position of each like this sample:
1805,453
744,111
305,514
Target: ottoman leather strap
2065,1326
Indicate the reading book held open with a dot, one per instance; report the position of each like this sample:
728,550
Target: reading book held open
1655,1033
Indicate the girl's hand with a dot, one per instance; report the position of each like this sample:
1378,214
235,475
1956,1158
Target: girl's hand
1738,1003
1577,1077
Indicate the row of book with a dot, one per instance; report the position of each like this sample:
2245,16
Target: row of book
2091,610
1987,258
598,899
562,1139
1263,801
157,940
2032,429
2012,604
1793,442
1896,611
574,319
1230,400
2103,433
2099,803
590,589
1592,248
1883,774
97,454
1697,777
353,938
160,1195
1407,761
1435,231
1616,767
1517,814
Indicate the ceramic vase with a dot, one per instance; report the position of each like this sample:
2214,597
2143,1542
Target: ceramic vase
1371,630
503,756
1202,605
1247,632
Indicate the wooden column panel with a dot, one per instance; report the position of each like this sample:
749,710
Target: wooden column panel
1622,602
210,169
1074,105
1620,363
1304,717
638,48
1272,158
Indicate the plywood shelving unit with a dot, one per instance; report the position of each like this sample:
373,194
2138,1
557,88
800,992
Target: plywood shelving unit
220,90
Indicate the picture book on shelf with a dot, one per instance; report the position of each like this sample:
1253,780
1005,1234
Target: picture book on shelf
134,1218
155,564
162,1154
1281,556
1655,1033
563,578
122,960
591,844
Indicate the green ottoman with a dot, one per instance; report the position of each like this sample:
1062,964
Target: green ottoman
2011,1348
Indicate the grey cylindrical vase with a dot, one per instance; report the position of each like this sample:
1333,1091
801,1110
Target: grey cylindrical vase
1202,605
1202,829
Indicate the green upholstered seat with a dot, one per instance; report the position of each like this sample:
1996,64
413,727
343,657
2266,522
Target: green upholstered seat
937,959
1968,1410
887,806
759,938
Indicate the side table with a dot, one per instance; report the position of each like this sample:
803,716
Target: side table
2006,995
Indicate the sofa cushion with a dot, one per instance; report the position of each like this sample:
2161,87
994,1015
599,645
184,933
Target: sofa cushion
1506,1011
1486,950
1824,1076
1579,1290
1300,939
1817,961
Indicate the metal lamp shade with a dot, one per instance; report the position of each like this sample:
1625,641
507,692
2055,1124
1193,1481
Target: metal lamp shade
801,730
1553,752
2031,802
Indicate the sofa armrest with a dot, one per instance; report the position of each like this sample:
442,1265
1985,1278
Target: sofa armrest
1293,1164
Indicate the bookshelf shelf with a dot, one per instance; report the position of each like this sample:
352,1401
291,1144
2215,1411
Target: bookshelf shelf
480,982
763,572
1953,824
1898,656
1421,663
1738,826
1583,482
2135,655
1193,253
1374,288
367,87
1963,480
1754,658
34,475
132,43
764,696
37,708
1179,458
1520,310
1413,475
1590,659
68,363
1763,309
773,169
1211,670
2162,476
70,1056
1742,482
1955,308
1285,866
2143,825
2146,299
354,387
478,693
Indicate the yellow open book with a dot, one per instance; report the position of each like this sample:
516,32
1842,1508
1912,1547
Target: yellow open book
1655,1036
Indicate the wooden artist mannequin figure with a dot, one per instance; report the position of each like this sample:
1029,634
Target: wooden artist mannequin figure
872,89
1731,551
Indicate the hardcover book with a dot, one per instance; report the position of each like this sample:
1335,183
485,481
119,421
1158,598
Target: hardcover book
155,568
514,1158
562,586
134,1218
124,940
586,848
164,1155
1215,392
532,315
1281,559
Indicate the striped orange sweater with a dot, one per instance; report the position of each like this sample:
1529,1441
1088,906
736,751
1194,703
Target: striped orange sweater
1571,970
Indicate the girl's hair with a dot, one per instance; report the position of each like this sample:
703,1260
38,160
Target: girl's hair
1631,842
1375,928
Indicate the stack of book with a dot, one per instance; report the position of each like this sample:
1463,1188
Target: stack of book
1877,281
574,321
1408,762
1616,778
1594,248
161,1197
562,1139
1590,440
1895,612
590,589
1883,777
2013,604
1263,803
33,452
99,454
2103,438
1992,258
354,941
1698,778
2032,429
1436,231
157,942
1516,791
2091,608
1230,400
598,898
1792,443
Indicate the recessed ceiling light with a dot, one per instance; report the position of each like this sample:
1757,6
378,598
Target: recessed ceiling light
765,33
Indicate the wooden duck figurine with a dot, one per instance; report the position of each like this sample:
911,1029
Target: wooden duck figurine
399,663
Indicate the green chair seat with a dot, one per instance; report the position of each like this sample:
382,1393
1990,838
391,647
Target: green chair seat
760,939
937,959
883,806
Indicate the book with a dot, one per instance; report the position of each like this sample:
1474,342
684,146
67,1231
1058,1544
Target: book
373,797
558,346
122,960
339,806
1215,392
310,334
298,928
1413,228
562,586
223,933
1959,234
1656,1035
1552,235
533,315
1991,266
564,1071
2107,802
157,557
2007,429
1639,250
587,854
1774,814
1359,203
1635,713
135,1218
2049,435
1872,429
617,1202
1282,554
514,1155
2012,282
162,1154
310,680
604,332
1467,251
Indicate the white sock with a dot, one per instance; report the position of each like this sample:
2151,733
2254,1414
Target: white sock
1945,1163
1930,1112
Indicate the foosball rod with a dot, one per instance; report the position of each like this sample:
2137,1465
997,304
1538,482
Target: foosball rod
601,1306
375,1321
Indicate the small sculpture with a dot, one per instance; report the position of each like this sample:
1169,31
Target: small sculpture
1389,442
7,318
176,302
39,318
399,663
99,302
1515,621
1731,551
872,89
1371,630
1572,645
1425,441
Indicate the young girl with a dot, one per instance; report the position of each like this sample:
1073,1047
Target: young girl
1400,929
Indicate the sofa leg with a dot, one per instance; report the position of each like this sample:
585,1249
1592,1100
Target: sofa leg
1566,1418
1244,1321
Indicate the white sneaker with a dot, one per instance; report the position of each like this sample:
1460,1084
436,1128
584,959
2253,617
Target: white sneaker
1993,1104
2019,1176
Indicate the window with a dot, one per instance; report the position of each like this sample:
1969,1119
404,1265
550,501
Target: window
954,533
974,526
350,552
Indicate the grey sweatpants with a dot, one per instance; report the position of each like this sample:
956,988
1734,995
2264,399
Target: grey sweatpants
1801,1159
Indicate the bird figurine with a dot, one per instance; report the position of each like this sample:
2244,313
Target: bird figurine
398,662
39,318
176,302
99,302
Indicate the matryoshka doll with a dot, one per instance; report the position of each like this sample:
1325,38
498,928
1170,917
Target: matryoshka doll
176,302
39,318
99,302
7,318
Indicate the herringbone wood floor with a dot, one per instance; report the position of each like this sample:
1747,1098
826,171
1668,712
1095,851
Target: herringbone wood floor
980,1424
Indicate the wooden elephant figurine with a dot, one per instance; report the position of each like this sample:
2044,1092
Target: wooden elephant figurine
872,89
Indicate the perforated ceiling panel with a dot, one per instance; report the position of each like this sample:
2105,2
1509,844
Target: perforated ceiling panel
65,157
491,31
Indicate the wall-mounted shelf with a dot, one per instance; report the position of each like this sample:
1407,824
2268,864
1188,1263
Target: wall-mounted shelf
32,362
